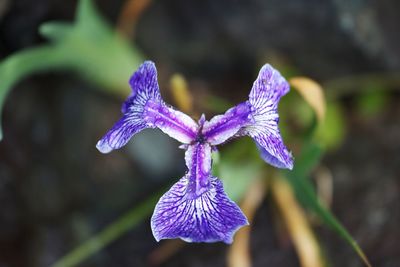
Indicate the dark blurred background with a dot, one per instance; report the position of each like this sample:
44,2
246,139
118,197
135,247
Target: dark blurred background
56,189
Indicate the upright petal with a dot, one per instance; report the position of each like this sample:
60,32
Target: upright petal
223,127
144,88
198,161
145,108
196,208
268,89
264,97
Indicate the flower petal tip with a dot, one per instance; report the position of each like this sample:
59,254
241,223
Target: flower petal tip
202,119
103,147
276,154
267,89
290,164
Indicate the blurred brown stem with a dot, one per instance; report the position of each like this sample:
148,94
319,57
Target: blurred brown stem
166,250
239,252
129,16
181,94
297,224
342,86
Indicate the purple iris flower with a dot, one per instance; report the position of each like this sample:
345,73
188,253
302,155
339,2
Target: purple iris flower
196,208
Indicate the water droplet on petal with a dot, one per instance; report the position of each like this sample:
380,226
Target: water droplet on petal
204,182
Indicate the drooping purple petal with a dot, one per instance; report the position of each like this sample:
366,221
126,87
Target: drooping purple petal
223,127
196,208
145,108
210,217
280,157
264,97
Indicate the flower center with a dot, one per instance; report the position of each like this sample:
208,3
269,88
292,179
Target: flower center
200,138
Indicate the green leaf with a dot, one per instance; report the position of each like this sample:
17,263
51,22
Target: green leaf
216,104
89,47
238,177
17,66
241,164
312,93
309,157
331,132
116,229
302,185
372,101
55,31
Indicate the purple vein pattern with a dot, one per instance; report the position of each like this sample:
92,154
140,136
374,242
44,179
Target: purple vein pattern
196,208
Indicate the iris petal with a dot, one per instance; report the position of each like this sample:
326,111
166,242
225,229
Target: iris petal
120,133
145,108
196,208
172,122
210,217
198,161
223,127
258,117
264,97
144,88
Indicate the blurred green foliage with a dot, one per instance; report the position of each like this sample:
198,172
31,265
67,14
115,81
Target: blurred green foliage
241,164
372,101
299,178
89,47
116,229
331,132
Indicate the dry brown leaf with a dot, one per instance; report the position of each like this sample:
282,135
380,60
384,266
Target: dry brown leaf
239,251
166,250
181,94
312,93
297,224
129,16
